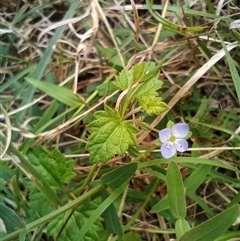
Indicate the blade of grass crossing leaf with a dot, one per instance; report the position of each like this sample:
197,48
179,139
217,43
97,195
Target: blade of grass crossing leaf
176,194
79,200
110,215
233,70
37,179
214,227
118,176
106,203
38,73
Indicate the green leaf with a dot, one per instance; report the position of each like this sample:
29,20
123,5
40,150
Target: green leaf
130,236
152,105
4,173
147,88
196,178
124,79
10,219
54,167
110,135
138,73
103,206
74,222
61,94
214,227
118,176
163,204
38,204
233,235
181,227
106,88
235,200
176,194
111,218
112,56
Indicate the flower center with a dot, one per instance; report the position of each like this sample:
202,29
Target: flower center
172,139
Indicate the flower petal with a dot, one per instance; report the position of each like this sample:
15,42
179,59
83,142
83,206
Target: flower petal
165,134
181,145
168,150
180,130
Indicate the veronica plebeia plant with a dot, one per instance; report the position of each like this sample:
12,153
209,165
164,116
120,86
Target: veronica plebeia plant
112,132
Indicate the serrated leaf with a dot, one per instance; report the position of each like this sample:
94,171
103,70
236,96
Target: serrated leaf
138,72
106,88
124,79
74,224
110,135
38,205
147,88
54,167
214,227
152,105
127,78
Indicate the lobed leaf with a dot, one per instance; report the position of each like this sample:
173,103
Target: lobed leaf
54,167
73,223
110,135
152,105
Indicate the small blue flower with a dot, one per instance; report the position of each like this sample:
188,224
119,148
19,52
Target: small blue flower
173,139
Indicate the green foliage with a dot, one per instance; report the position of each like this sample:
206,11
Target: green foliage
53,166
214,227
118,176
61,94
10,219
68,224
110,135
112,222
39,205
176,192
152,105
145,87
87,79
130,236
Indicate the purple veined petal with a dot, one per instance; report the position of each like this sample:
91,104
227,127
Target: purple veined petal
165,134
168,150
180,130
181,145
